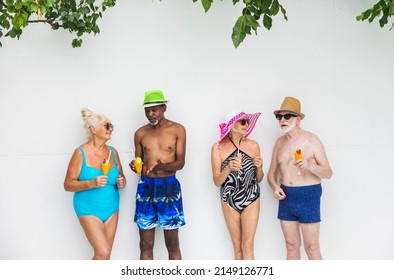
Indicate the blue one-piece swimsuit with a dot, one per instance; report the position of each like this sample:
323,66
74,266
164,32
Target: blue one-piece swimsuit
101,202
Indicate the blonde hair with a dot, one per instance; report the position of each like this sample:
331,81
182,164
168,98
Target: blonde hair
91,119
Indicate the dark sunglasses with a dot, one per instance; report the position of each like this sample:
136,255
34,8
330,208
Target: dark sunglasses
244,121
286,116
108,126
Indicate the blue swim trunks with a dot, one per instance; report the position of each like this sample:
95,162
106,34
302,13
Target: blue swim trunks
301,204
159,203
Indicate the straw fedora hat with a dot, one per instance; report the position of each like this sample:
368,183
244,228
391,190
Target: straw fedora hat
291,104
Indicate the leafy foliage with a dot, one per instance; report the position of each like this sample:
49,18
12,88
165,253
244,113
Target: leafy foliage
80,17
384,8
254,11
77,16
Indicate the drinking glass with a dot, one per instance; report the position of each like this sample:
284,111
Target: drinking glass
138,167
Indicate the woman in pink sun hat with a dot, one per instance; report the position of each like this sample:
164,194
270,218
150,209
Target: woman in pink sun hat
237,168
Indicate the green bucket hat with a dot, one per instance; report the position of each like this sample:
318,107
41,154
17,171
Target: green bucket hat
154,98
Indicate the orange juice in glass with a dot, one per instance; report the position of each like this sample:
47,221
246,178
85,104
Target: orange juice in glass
105,167
298,154
138,167
238,159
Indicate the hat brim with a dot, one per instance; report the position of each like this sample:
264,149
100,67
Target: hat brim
289,110
225,128
154,104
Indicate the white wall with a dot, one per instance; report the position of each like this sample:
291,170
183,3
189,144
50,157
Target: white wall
339,68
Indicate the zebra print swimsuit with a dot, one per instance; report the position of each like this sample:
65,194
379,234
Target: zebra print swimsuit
240,192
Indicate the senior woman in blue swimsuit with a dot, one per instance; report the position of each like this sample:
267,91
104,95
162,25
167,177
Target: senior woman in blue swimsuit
238,179
96,196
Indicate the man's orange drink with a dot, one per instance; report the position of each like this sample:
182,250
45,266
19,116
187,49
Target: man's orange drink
138,165
297,154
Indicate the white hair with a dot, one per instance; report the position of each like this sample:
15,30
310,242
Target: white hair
91,119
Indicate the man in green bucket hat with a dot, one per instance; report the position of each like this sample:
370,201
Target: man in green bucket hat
161,145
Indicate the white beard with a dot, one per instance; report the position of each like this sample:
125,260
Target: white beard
154,123
289,128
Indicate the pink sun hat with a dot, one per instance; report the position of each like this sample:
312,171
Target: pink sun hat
232,117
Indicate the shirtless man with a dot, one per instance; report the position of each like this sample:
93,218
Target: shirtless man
161,144
297,183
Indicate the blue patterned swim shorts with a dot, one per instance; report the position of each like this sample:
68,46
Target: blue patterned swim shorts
159,203
301,204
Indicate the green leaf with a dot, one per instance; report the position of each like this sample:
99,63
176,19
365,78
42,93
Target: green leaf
206,4
18,5
6,24
84,10
267,21
266,4
18,21
283,12
383,21
250,20
366,14
248,30
55,26
391,11
252,9
375,11
12,33
274,8
76,43
239,31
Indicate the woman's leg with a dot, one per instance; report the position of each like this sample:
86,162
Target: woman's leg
100,234
249,220
233,222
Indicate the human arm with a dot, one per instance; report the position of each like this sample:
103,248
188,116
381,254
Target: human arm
272,175
137,149
258,162
121,180
318,165
71,182
218,176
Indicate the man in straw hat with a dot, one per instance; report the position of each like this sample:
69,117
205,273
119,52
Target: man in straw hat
298,164
161,145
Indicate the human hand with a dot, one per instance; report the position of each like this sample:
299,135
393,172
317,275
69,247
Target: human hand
235,164
132,166
121,182
279,194
302,163
258,162
155,167
99,181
